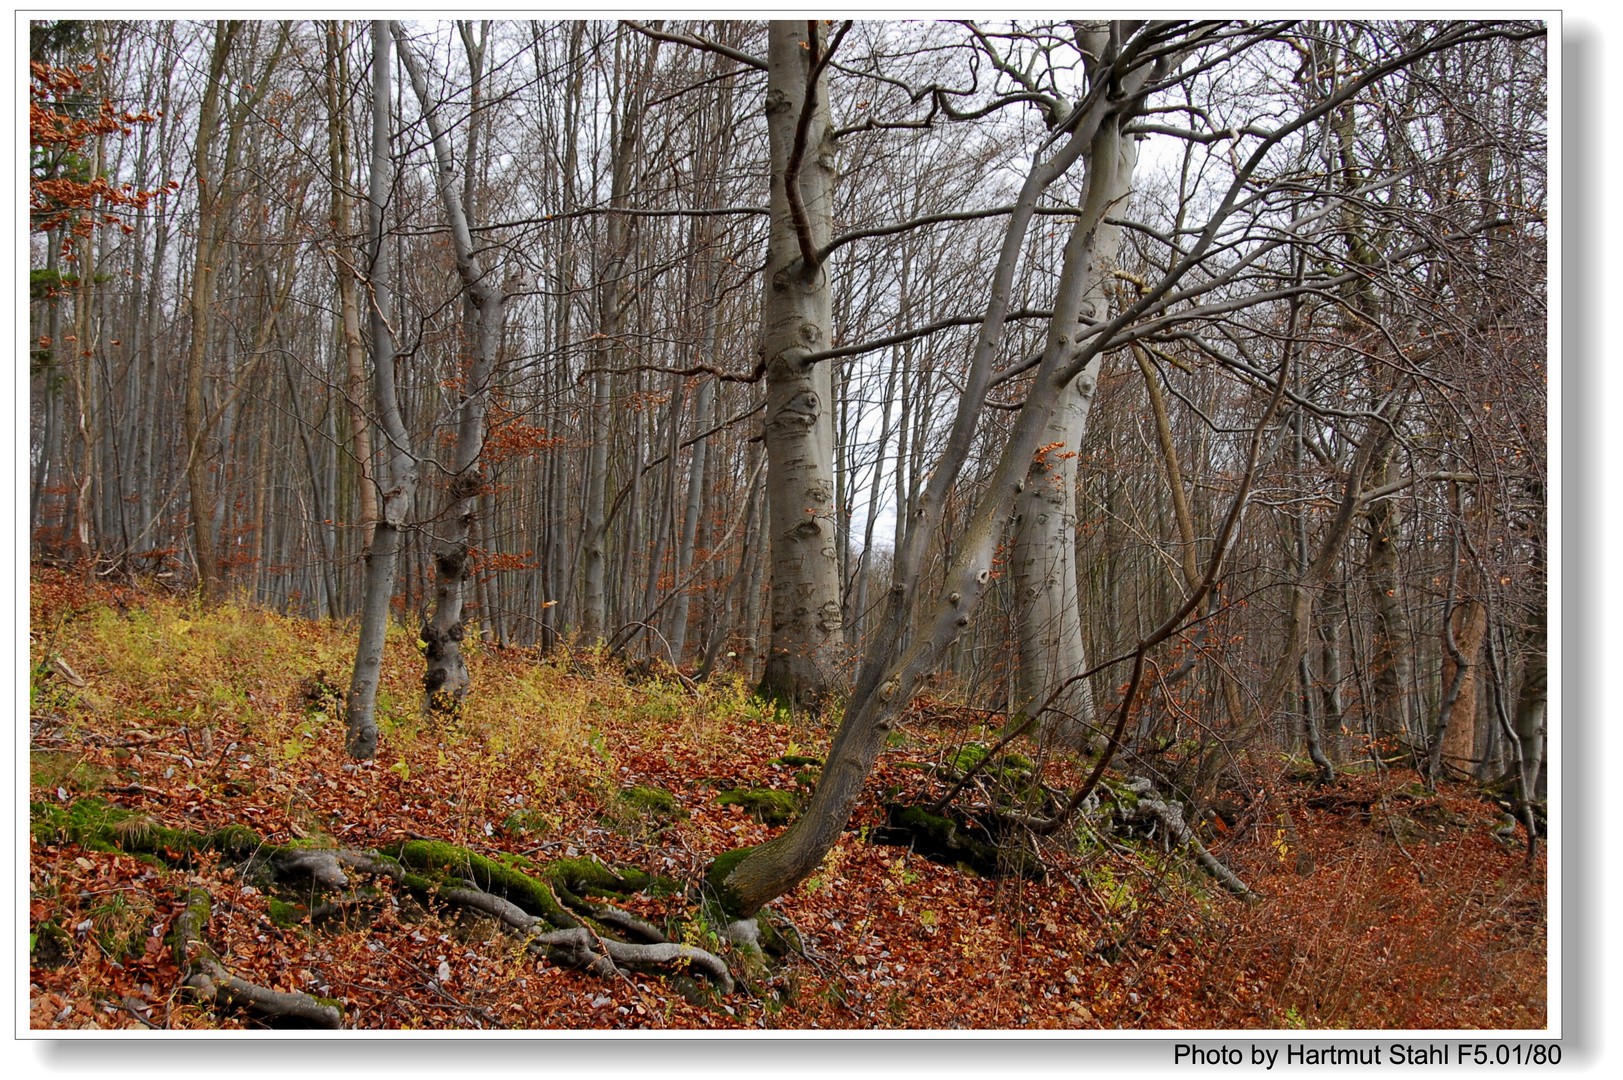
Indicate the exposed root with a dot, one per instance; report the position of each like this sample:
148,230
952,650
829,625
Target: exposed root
535,901
206,977
568,944
623,921
319,863
1150,807
579,945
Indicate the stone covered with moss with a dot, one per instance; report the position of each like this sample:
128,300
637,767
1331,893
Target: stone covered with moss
767,805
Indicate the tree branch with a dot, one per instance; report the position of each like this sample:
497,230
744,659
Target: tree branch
694,41
810,257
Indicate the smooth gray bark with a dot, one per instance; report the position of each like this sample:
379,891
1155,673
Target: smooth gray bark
804,648
890,676
1046,585
400,465
445,680
360,427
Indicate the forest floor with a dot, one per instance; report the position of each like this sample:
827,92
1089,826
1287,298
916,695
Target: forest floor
1380,905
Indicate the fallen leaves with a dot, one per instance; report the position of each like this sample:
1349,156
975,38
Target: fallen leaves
1119,935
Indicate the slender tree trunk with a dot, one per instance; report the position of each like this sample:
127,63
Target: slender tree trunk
702,417
1457,714
445,682
614,296
804,649
739,587
51,378
1531,702
400,470
338,143
1390,664
210,194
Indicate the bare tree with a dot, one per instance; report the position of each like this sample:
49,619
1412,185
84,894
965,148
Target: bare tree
399,475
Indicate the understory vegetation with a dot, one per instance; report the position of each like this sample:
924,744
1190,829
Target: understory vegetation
204,854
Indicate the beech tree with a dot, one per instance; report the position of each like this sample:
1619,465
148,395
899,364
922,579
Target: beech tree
1162,388
399,475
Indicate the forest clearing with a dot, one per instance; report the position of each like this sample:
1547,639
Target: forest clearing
785,524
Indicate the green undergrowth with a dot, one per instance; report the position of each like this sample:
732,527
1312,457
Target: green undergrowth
167,666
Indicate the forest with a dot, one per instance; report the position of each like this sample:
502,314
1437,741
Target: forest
788,524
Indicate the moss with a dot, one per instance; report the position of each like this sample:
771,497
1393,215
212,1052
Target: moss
778,942
767,805
536,889
966,757
515,860
956,843
238,839
716,879
527,821
441,865
651,800
796,761
661,886
190,925
284,914
941,828
49,945
635,880
420,883
1117,793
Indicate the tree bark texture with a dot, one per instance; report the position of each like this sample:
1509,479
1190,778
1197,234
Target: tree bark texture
360,428
1391,659
804,649
1459,742
400,472
195,412
1045,519
445,680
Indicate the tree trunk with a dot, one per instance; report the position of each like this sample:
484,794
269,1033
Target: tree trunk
400,471
1391,660
1458,715
804,650
445,681
195,413
1530,707
1047,589
338,142
613,297
702,410
748,878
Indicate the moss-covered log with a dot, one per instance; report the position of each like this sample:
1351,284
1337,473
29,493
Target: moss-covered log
940,837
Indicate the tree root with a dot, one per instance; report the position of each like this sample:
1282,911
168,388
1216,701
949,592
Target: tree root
1170,817
208,979
544,903
582,947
